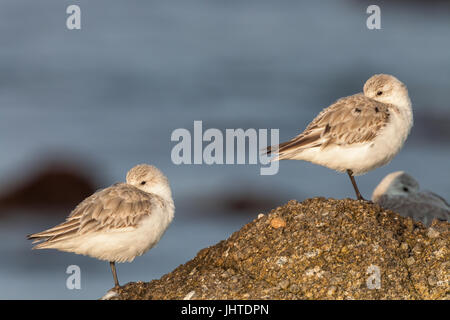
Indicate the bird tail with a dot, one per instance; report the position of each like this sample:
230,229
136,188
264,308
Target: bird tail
47,238
279,151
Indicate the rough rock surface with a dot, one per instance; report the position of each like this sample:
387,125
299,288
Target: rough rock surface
317,249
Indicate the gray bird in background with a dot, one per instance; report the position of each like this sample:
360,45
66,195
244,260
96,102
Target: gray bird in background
399,192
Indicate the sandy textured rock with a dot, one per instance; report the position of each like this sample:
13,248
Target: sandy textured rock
324,249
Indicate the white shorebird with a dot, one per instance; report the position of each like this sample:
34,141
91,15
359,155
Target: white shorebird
118,223
399,192
358,133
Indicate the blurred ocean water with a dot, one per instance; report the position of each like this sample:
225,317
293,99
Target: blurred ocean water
113,92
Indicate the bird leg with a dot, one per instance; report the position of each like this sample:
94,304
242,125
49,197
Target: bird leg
358,194
113,269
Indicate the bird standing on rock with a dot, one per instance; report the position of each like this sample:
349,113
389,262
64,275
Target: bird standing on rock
118,223
356,134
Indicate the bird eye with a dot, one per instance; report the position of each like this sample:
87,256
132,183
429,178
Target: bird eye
405,189
143,182
379,93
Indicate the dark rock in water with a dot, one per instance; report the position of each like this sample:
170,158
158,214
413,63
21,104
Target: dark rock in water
317,249
55,186
246,202
239,201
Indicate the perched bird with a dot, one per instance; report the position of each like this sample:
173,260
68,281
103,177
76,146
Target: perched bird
118,223
358,133
399,192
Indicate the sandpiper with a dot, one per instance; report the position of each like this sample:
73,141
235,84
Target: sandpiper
358,133
118,223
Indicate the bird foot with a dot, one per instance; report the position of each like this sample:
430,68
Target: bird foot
361,198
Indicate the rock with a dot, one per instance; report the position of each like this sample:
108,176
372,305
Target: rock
53,185
410,261
109,295
189,295
432,233
331,290
281,261
277,223
314,256
284,284
242,200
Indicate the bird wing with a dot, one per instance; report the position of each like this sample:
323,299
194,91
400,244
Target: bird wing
350,120
118,206
415,206
437,198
